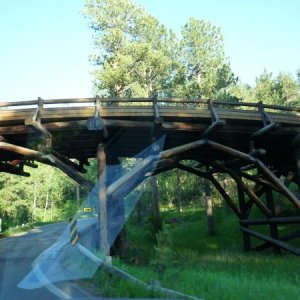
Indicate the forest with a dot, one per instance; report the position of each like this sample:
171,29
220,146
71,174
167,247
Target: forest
198,236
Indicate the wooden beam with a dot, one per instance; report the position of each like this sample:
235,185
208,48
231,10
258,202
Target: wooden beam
20,150
69,171
281,187
246,236
249,192
125,184
278,220
273,226
272,241
7,168
2,139
217,185
67,161
285,238
258,180
182,149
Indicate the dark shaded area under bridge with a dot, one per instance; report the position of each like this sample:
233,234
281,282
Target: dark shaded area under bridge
223,137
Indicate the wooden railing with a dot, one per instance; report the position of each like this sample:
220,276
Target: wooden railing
160,102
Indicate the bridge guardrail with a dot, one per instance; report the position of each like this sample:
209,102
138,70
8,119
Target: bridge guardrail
160,101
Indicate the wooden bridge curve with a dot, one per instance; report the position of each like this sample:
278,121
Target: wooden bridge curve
223,137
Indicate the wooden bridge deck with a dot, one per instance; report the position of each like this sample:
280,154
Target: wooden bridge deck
222,137
182,123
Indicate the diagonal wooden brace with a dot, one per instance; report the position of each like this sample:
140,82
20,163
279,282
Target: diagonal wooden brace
36,123
269,125
216,121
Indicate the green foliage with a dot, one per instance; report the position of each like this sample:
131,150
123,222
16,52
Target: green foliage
110,285
280,90
138,56
165,256
134,49
202,54
41,197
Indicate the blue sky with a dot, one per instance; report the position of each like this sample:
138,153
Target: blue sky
45,44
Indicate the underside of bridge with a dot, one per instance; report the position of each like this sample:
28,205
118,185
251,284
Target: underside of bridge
257,145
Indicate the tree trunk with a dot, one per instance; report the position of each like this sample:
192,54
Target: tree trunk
102,213
46,205
209,207
280,200
179,191
34,201
139,213
51,211
78,194
155,207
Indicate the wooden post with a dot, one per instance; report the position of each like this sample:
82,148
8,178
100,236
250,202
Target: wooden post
243,209
273,226
102,213
209,207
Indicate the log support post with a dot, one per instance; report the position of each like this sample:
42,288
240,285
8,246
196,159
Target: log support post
273,226
155,133
243,209
102,201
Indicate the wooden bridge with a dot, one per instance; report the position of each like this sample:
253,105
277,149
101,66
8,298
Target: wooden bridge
256,144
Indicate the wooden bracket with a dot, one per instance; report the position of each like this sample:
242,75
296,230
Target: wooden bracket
96,122
216,121
157,124
269,125
36,123
13,169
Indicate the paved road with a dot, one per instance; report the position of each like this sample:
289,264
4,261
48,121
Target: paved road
16,257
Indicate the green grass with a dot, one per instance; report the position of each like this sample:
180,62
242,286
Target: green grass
26,227
212,267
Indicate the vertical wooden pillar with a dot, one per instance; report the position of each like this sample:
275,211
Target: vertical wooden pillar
102,213
273,226
209,207
246,236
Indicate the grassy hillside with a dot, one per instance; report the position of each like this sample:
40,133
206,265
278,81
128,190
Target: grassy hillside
184,258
